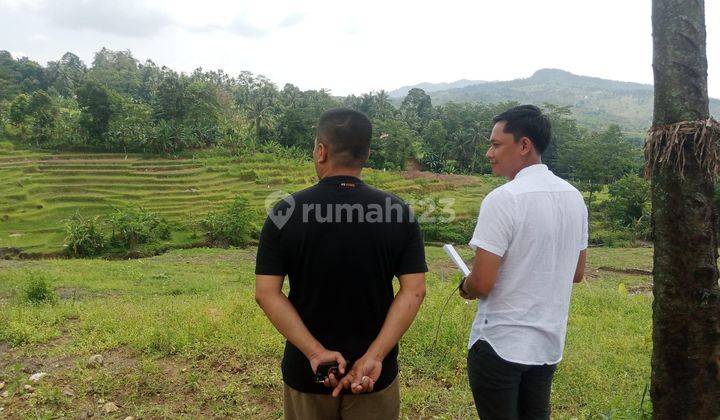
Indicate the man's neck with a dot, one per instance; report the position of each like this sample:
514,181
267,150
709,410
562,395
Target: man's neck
341,172
525,164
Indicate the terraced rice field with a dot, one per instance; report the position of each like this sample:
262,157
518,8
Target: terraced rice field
39,191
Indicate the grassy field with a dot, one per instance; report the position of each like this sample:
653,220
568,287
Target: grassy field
181,336
41,190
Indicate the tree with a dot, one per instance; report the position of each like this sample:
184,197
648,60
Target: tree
565,131
118,71
681,152
298,114
150,77
66,75
170,102
376,105
435,146
416,109
597,159
19,109
629,200
468,127
21,75
394,143
95,110
258,97
44,113
9,77
130,127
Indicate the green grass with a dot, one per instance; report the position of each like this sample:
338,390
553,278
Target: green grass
182,336
41,190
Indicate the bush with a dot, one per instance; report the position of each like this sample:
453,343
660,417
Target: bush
275,149
629,200
457,232
134,226
83,237
38,290
6,145
611,237
235,225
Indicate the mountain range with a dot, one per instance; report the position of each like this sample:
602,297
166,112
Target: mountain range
595,102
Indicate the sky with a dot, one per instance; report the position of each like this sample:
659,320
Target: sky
355,47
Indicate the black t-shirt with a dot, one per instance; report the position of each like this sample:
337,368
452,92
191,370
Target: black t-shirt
340,243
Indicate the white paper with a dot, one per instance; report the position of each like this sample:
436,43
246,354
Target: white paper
450,250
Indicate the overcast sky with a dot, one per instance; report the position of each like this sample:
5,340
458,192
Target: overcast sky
355,47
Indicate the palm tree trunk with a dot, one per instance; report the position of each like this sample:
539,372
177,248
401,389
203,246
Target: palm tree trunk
685,381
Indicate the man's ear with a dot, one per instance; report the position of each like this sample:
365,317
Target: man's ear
322,152
527,145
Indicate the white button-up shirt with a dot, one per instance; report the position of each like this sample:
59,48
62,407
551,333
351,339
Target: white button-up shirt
537,223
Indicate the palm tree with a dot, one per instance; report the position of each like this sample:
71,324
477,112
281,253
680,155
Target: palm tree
681,158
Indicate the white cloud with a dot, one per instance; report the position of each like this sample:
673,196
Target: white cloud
131,18
291,20
17,54
356,47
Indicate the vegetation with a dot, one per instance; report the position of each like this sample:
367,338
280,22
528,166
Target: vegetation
83,236
596,103
119,104
43,190
37,289
184,325
234,225
135,226
628,205
129,155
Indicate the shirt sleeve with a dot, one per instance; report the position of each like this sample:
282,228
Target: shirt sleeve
412,257
495,223
270,258
584,235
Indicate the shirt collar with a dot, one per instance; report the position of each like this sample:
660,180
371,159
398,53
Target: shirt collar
339,179
532,170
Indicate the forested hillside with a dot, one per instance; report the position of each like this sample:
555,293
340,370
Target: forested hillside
596,103
118,104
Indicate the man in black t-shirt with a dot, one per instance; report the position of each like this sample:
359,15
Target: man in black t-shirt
341,242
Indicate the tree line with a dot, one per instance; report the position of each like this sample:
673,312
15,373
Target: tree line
119,104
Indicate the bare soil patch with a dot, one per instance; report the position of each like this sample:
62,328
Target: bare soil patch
456,180
633,271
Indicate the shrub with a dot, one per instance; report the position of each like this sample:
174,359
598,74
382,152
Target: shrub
133,226
456,232
235,225
294,153
611,237
38,290
628,206
83,237
6,145
629,200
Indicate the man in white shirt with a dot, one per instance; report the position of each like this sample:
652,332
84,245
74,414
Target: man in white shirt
530,242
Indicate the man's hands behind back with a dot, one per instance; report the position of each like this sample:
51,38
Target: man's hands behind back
362,376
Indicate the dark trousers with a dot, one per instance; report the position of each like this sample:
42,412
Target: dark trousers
505,390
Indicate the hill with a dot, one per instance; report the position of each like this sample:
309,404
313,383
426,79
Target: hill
433,87
596,102
41,190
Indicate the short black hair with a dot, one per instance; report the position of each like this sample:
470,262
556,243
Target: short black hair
527,121
347,133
